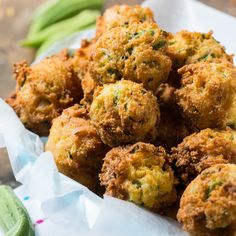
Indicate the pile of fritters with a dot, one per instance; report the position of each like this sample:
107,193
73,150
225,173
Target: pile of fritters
142,114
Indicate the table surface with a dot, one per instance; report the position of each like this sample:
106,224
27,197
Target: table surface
14,21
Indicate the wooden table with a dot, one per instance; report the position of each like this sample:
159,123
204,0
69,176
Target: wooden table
14,20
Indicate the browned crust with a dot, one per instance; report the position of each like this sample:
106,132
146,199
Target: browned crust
116,165
206,94
202,150
43,90
214,214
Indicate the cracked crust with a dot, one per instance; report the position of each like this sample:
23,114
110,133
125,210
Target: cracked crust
122,15
76,146
134,53
187,47
124,112
43,90
208,205
203,150
207,96
139,173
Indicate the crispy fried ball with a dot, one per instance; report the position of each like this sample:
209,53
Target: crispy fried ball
80,59
202,150
208,205
134,53
80,63
171,129
207,95
89,86
124,112
191,47
76,146
123,15
139,173
44,90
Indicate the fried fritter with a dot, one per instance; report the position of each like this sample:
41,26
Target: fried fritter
123,15
202,150
80,59
139,173
207,96
43,90
134,53
171,129
124,112
89,86
81,63
208,205
191,47
76,146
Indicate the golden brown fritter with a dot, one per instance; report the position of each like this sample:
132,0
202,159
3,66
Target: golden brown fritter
134,53
123,15
43,90
81,63
81,57
208,205
76,146
89,86
207,96
171,129
191,47
139,173
202,150
124,112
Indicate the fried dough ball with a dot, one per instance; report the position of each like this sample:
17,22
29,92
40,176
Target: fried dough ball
139,173
202,150
43,90
81,63
208,205
89,86
123,15
207,95
134,53
171,129
191,47
76,146
80,59
124,112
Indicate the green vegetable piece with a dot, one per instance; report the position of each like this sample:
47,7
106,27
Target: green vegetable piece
116,97
172,42
159,44
206,56
14,219
135,149
57,37
69,155
78,22
126,106
113,71
54,11
212,186
137,183
130,50
152,32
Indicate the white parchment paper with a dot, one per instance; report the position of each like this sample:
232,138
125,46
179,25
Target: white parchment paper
60,206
